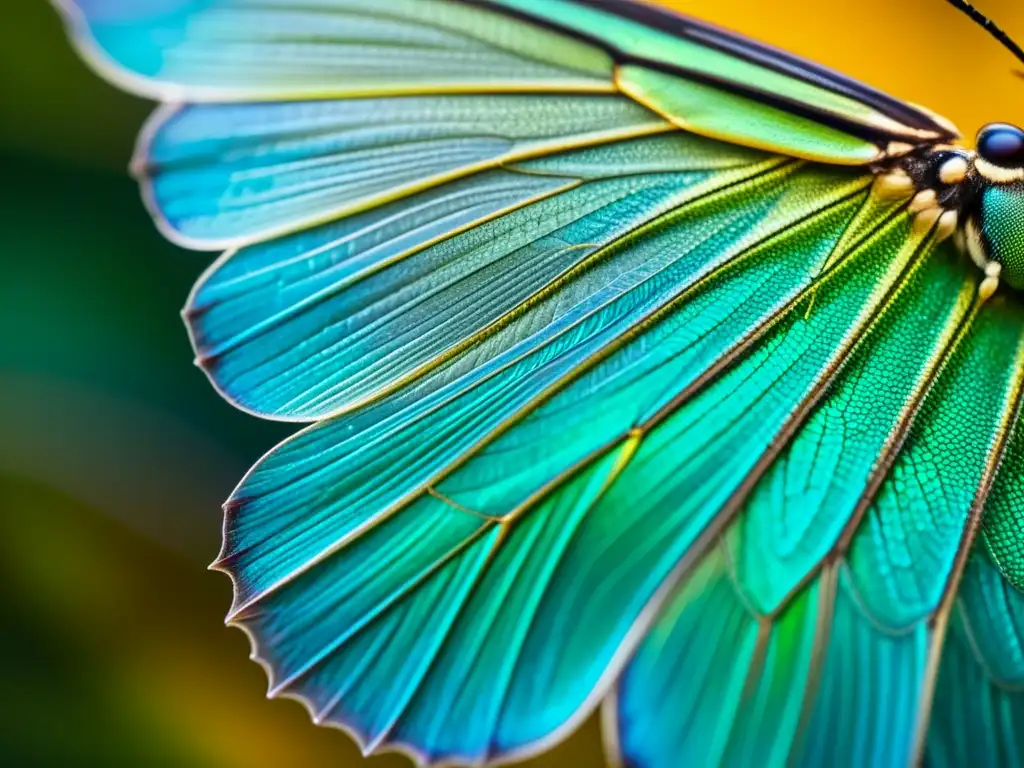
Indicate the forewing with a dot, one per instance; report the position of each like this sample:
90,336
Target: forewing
697,77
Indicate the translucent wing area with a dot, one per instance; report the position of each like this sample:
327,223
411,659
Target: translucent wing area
242,50
627,387
697,77
222,175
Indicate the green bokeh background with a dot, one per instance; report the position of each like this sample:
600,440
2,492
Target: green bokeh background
115,453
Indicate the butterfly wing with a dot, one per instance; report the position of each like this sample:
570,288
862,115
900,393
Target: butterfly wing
625,380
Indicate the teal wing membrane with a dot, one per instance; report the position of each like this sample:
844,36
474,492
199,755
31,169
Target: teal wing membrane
623,383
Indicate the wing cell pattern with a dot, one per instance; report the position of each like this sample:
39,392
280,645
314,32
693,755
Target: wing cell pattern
624,385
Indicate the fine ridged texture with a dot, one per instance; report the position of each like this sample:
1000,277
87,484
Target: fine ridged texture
268,50
256,49
625,386
230,174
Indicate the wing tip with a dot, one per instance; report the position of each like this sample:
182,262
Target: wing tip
79,32
206,361
141,168
320,716
371,745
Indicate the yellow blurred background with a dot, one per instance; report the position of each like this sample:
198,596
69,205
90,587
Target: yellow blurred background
115,453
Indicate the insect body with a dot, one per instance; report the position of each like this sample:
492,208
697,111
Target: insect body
972,195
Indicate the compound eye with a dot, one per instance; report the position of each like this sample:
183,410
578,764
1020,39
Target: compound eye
1002,144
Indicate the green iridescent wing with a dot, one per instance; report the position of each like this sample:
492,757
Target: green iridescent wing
627,385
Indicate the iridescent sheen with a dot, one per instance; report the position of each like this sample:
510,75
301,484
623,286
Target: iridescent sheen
626,385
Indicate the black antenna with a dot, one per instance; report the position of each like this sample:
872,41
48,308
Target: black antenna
989,26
